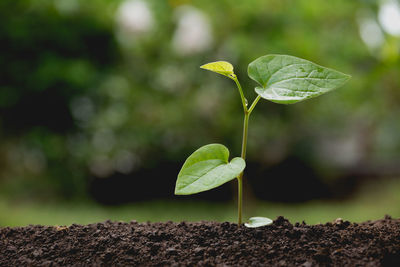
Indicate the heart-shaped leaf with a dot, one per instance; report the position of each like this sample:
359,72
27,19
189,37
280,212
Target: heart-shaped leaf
221,67
208,167
287,79
258,222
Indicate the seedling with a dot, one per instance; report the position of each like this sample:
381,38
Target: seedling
281,79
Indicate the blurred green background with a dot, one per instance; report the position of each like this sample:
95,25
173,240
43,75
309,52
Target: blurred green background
102,101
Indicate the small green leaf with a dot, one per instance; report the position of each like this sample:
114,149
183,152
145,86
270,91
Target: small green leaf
221,67
258,222
288,79
208,167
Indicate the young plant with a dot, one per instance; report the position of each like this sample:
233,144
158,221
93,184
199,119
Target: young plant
281,79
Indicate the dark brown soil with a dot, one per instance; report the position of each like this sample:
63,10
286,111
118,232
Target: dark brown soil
339,243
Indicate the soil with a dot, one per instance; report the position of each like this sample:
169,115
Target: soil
340,243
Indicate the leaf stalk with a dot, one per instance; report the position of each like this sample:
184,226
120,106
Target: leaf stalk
234,77
253,105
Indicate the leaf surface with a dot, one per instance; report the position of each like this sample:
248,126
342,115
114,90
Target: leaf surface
287,79
222,67
208,167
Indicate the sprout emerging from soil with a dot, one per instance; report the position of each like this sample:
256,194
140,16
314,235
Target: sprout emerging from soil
281,79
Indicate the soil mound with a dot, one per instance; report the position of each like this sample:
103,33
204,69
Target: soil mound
340,243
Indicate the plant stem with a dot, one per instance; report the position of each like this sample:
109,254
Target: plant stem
243,155
245,133
240,198
247,113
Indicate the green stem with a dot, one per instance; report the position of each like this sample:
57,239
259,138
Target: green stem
245,133
243,155
240,198
247,113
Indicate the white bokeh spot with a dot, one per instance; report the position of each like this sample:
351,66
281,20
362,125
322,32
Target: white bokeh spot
371,33
135,16
193,32
389,17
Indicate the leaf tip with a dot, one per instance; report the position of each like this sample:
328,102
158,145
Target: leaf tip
178,191
203,66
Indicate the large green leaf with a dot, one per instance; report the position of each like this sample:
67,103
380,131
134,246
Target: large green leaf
288,79
208,167
222,67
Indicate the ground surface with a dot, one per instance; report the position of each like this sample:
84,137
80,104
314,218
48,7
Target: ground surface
339,243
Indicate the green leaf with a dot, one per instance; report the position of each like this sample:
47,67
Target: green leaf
221,67
288,79
258,222
208,167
